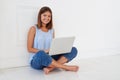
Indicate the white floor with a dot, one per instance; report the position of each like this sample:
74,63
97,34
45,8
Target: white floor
102,68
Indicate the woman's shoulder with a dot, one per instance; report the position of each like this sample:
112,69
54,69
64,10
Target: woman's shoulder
32,29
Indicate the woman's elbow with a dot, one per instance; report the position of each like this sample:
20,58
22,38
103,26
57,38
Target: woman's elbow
29,49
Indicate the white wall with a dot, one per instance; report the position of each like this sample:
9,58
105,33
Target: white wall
95,23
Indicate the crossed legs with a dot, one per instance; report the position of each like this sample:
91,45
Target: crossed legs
42,59
59,64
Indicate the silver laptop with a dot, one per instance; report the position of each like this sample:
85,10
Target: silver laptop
61,45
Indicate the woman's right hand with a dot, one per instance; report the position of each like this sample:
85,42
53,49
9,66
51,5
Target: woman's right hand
46,51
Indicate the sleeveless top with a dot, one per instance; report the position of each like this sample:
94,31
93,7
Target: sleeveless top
42,40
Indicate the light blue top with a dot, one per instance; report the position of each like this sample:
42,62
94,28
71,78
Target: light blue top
42,40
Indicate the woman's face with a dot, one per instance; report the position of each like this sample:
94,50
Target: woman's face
46,17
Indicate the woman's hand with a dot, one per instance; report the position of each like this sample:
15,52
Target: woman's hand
46,51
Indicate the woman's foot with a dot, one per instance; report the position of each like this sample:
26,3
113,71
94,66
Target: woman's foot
72,68
68,68
47,69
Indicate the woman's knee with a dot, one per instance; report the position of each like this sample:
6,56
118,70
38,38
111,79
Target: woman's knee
74,51
41,59
39,53
72,54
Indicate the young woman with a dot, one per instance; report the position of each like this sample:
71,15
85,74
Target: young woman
38,44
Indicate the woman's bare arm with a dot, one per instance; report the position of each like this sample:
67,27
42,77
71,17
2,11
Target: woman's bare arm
30,40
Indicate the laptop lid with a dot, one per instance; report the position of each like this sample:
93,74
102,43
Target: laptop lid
61,45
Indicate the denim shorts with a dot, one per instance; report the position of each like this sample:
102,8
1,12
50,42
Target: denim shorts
42,59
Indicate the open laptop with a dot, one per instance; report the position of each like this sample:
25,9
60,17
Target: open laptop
61,45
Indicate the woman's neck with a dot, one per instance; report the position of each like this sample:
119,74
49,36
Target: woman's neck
43,28
44,25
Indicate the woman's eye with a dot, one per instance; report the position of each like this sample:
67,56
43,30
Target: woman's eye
49,16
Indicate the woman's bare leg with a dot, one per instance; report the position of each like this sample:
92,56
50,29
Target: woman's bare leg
62,60
59,64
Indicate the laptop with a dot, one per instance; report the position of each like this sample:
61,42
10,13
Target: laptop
61,45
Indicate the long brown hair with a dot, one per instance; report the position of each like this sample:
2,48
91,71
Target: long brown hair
39,23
